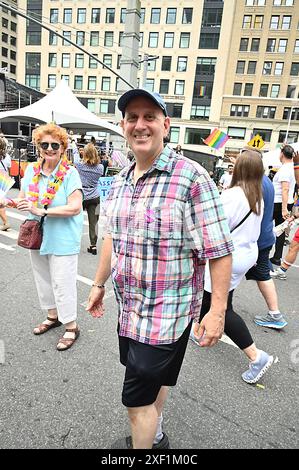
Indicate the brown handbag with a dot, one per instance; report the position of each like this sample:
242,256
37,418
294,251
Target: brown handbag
31,234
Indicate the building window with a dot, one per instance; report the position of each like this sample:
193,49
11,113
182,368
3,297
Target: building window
141,39
164,87
150,84
171,16
33,38
294,69
294,116
153,39
168,40
52,61
205,66
5,37
243,44
271,45
33,81
251,67
248,89
78,82
277,3
142,15
187,15
66,78
107,59
66,35
255,44
264,89
275,91
13,55
200,112
92,83
239,110
258,21
174,134
123,12
296,46
91,104
265,112
202,89
108,41
274,22
182,64
174,110
110,15
95,15
236,132
264,133
286,22
104,106
240,66
12,69
51,81
106,83
196,136
13,26
94,38
81,15
166,63
292,137
151,65
54,15
93,64
179,87
79,61
247,20
267,68
155,15
33,62
212,17
209,40
282,45
13,40
67,15
184,40
65,60
237,89
278,68
52,39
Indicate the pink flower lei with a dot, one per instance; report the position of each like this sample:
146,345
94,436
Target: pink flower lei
53,186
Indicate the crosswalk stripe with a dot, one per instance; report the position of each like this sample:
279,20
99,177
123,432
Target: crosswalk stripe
13,234
6,247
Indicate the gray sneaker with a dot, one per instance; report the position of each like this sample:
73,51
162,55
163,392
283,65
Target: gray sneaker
278,274
271,322
258,368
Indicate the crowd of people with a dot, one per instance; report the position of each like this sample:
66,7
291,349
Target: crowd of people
174,249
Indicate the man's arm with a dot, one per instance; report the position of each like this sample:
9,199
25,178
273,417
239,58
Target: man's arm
96,295
284,198
212,325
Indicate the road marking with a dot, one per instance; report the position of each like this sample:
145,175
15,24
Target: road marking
16,215
13,234
6,247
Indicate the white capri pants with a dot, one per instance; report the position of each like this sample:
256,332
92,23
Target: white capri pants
56,282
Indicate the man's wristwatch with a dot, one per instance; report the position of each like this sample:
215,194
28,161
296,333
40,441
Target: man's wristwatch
100,286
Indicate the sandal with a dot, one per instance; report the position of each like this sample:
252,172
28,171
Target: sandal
68,342
92,249
44,327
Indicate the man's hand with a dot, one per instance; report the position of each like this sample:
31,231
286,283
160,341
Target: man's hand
210,329
95,302
296,157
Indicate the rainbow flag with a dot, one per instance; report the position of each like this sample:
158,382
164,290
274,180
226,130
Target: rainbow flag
216,139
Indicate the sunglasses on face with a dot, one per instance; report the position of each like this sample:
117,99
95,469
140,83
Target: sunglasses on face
53,145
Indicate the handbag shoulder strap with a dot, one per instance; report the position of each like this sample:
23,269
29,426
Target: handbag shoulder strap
241,221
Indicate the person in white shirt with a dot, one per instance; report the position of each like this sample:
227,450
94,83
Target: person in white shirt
226,178
284,185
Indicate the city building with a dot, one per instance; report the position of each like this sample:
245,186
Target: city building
8,41
227,64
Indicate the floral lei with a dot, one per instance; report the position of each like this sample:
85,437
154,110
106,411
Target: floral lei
53,186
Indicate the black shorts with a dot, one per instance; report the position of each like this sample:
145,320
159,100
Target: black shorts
261,270
149,367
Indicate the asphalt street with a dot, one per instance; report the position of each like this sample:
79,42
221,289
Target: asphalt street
72,399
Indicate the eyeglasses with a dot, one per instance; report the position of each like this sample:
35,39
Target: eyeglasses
53,145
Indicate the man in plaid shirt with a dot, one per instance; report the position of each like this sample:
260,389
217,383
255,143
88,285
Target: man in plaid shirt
164,220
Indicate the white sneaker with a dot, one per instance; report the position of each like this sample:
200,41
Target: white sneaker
278,274
4,227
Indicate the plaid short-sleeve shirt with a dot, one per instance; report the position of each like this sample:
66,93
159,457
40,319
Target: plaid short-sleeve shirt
163,229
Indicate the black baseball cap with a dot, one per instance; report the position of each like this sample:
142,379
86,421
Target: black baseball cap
129,95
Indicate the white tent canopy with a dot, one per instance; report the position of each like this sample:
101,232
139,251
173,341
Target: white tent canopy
272,158
61,106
